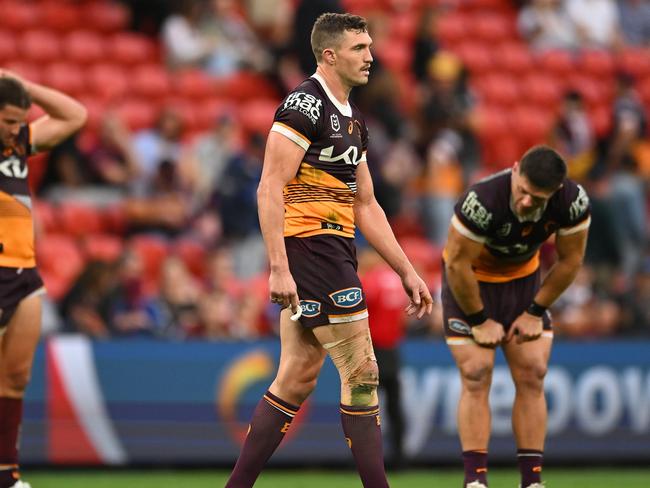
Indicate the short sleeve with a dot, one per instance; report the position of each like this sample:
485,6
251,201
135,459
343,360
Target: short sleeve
471,217
299,118
575,213
364,143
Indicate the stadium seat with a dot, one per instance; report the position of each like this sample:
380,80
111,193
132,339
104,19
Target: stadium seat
80,219
478,57
60,261
451,29
207,112
396,56
601,119
96,109
107,81
491,28
596,63
137,114
66,77
185,109
559,63
514,57
60,16
40,46
150,81
152,251
45,215
193,255
28,70
492,122
244,86
103,247
37,167
543,90
131,49
256,116
634,61
83,46
530,124
18,15
499,89
115,219
106,16
404,25
593,90
8,49
194,84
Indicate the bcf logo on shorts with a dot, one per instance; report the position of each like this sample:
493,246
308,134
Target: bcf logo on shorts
310,308
347,298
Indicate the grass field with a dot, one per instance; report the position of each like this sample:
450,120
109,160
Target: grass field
434,478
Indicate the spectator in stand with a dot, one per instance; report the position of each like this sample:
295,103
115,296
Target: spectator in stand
67,169
425,46
545,24
382,289
573,136
215,316
635,22
597,23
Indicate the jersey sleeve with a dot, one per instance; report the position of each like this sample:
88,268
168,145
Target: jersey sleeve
472,217
364,142
575,209
25,140
299,118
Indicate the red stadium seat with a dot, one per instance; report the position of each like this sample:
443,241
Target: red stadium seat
96,109
115,219
83,46
193,255
137,114
194,84
404,25
492,122
60,16
45,215
396,56
60,261
478,57
451,29
634,61
19,15
29,71
601,119
514,57
107,81
107,17
593,91
185,109
152,251
244,86
491,27
80,219
531,125
207,112
596,63
560,63
543,90
40,46
150,81
103,247
131,49
257,115
499,89
8,48
66,77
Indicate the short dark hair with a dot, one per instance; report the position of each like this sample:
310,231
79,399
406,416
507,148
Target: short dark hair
543,167
12,92
330,26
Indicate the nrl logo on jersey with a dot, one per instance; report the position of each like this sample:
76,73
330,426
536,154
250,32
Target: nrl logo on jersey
334,119
11,167
304,103
474,210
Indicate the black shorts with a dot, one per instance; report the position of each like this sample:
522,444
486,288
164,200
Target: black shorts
503,302
16,284
324,268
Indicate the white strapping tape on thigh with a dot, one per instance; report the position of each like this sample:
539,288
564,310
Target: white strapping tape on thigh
330,345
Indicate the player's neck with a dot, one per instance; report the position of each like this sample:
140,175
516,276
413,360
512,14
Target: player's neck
334,83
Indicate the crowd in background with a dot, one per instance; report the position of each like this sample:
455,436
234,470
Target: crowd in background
423,152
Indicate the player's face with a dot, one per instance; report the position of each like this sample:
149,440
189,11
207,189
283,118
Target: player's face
353,58
527,198
11,119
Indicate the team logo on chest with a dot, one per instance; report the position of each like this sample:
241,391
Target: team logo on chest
334,119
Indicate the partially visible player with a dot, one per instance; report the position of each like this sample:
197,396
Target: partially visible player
20,284
492,296
315,188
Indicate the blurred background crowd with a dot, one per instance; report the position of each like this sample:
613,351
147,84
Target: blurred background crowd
147,219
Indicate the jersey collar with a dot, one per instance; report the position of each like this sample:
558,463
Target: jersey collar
344,109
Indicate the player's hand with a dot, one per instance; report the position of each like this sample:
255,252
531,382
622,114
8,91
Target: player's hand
527,327
489,334
420,301
283,290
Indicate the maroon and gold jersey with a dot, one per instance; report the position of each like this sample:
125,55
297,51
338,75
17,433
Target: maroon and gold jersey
511,244
16,226
319,199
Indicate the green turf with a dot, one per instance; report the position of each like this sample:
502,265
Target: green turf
434,478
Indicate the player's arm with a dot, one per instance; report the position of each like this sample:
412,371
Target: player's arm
461,252
373,224
571,251
281,162
63,115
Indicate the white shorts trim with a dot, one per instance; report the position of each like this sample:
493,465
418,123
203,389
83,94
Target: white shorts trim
349,318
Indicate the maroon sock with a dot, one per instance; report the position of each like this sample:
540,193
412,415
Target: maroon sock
363,433
475,463
271,420
530,466
11,413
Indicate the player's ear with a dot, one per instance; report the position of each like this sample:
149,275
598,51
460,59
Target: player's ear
329,57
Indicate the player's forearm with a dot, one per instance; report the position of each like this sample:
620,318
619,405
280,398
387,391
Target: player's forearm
57,105
464,286
558,279
373,224
270,206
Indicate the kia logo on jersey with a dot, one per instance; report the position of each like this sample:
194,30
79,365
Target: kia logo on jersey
347,298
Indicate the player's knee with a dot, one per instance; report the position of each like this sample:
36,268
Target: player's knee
297,387
530,377
476,374
362,383
15,380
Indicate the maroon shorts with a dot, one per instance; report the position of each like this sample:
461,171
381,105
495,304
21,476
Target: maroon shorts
503,302
16,284
324,268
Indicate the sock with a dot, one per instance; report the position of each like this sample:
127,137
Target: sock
475,463
361,426
11,413
530,466
271,420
